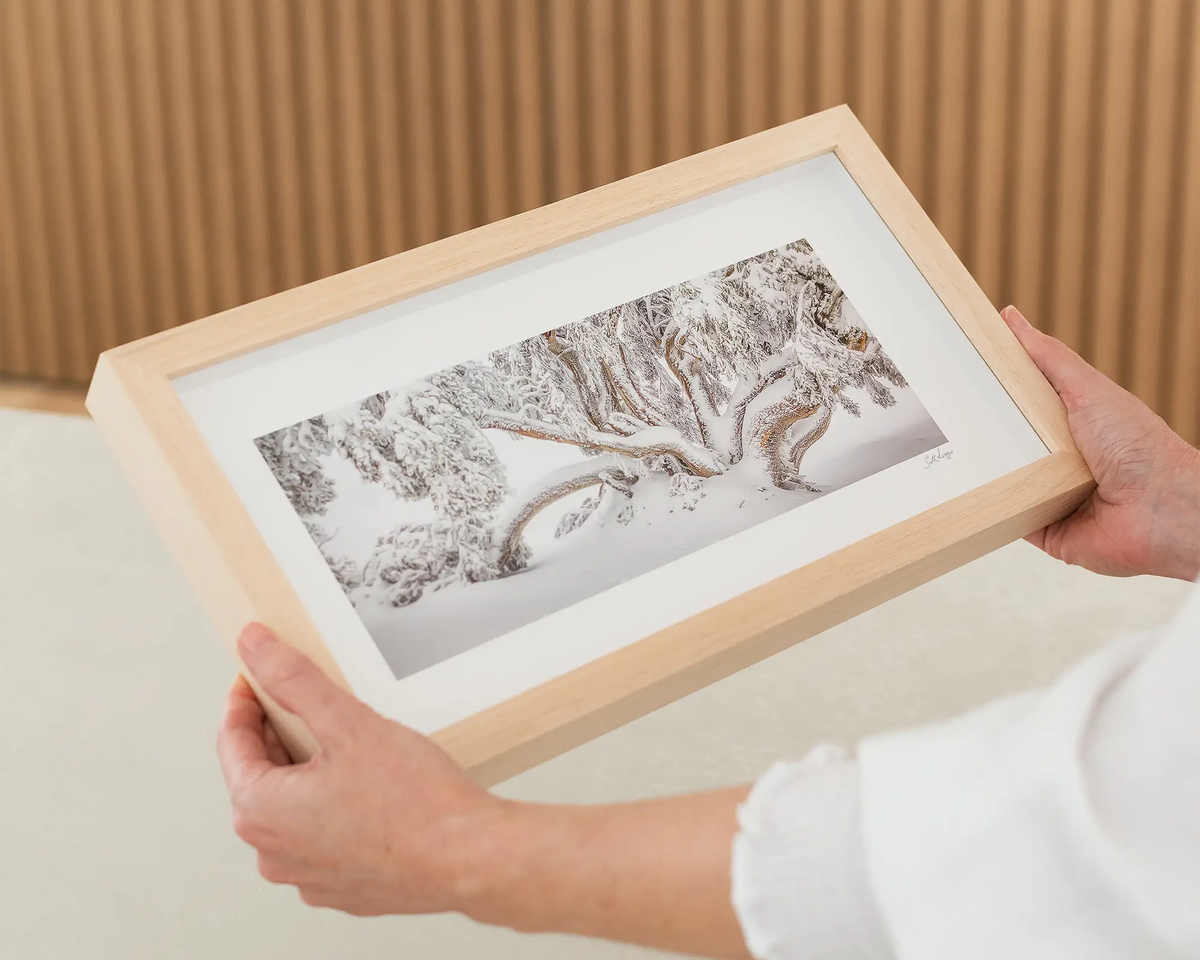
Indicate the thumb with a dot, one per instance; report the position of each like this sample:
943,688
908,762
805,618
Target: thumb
1066,370
294,682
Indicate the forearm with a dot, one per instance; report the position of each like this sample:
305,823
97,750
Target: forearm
654,872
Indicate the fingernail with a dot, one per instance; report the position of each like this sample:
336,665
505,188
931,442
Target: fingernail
254,639
1013,315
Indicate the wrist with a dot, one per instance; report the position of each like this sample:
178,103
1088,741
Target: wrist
485,857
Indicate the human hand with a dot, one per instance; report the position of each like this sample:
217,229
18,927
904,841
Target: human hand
379,820
1144,515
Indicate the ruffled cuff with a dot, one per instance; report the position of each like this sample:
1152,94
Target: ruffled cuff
800,882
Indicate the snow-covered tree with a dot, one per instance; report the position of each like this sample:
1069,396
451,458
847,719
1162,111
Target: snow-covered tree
752,360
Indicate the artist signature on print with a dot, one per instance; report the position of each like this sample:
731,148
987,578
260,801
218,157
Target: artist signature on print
937,456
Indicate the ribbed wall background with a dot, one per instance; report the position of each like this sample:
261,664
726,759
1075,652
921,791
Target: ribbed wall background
165,159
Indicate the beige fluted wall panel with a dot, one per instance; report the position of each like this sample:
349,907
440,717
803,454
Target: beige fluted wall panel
165,159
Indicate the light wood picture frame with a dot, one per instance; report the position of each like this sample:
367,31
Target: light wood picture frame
134,400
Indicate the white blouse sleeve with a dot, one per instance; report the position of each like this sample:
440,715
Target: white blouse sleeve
1061,824
1055,824
800,886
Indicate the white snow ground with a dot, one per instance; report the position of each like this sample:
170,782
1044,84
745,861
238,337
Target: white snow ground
599,556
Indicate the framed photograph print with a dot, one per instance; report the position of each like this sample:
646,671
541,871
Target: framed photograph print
521,485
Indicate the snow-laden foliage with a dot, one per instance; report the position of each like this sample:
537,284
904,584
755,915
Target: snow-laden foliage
753,359
293,454
574,519
420,444
416,557
345,570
